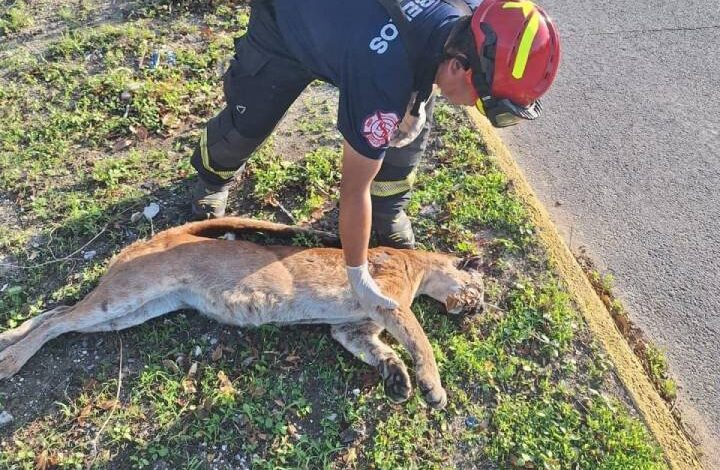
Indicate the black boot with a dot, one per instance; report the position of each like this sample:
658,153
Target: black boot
394,230
209,201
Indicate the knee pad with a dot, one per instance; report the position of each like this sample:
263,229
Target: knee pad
222,150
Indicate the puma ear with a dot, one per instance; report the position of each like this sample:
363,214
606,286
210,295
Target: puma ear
470,263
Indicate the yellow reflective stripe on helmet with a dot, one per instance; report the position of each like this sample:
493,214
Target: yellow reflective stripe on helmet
528,9
205,157
391,188
480,107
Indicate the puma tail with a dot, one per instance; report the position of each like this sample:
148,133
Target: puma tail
214,228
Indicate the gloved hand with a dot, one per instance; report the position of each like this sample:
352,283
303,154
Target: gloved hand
366,290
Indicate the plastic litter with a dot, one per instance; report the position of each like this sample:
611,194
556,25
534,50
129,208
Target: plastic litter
154,59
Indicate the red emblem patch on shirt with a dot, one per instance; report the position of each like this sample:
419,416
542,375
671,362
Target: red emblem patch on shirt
379,128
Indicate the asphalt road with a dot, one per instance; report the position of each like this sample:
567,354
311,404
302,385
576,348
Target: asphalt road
627,161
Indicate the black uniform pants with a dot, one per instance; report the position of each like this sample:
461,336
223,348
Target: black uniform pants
263,80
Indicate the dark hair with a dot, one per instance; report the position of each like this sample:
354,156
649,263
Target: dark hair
460,42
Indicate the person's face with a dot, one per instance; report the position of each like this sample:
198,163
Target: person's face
454,83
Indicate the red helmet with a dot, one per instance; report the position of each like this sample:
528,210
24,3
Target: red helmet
524,44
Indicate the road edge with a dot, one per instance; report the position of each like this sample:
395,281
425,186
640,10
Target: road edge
679,452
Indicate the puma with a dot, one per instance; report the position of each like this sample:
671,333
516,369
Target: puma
243,283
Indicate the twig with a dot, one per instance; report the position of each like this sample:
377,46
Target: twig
112,412
286,212
497,309
56,260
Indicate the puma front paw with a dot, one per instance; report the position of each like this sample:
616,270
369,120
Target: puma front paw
396,380
435,397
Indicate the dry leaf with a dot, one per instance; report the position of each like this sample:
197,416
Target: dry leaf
107,404
350,456
42,461
170,121
188,386
292,358
140,132
280,403
206,32
217,354
84,413
121,144
171,365
90,384
193,369
226,387
256,391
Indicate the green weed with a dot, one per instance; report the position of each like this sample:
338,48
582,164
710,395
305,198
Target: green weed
15,18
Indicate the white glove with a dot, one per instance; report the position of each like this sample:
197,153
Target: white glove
410,126
366,290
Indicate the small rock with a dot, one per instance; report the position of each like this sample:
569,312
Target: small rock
213,341
197,351
356,392
353,433
332,417
5,418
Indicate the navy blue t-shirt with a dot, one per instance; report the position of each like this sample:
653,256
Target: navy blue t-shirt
354,45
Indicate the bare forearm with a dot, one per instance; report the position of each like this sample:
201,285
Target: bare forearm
355,205
355,223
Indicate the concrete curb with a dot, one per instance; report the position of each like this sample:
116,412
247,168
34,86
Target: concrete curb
679,452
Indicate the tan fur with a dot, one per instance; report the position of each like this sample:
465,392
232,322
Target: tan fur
242,283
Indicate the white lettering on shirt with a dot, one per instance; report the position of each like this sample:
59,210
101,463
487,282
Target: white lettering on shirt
411,9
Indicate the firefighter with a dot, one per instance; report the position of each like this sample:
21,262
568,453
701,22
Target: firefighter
386,57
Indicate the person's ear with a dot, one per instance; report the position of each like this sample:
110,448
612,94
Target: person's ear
457,65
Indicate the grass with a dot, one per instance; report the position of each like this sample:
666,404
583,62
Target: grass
15,18
652,358
93,134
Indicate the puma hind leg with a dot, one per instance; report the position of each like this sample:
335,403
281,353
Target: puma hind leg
12,336
102,309
362,339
